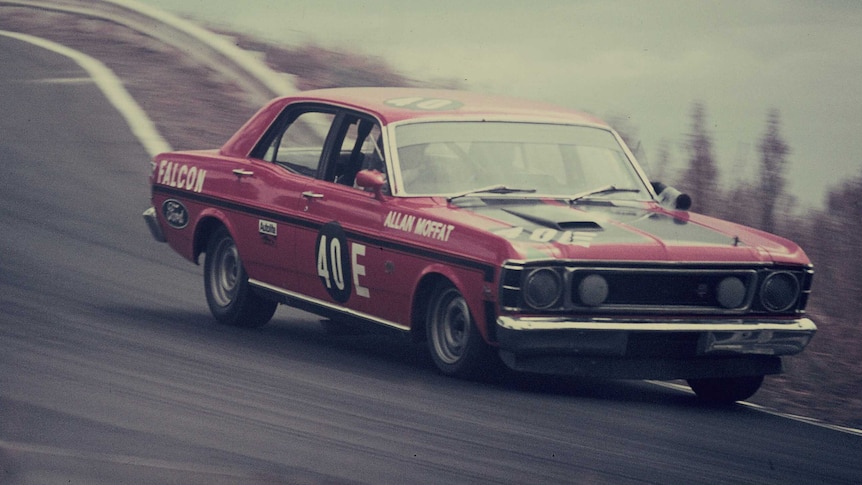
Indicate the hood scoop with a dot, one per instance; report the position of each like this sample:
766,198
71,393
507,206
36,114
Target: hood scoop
555,217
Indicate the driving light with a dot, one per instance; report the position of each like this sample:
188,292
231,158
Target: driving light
542,288
730,292
593,290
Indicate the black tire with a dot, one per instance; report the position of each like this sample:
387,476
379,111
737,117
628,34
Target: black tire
726,390
455,343
231,299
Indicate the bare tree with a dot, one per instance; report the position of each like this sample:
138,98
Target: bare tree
700,179
773,151
839,247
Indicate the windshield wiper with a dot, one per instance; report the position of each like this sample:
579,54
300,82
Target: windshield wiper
491,189
607,189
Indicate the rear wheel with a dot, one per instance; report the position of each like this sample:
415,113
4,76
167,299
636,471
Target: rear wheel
727,389
455,343
231,299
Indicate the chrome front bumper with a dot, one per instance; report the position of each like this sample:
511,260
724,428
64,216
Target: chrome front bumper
762,337
153,223
650,348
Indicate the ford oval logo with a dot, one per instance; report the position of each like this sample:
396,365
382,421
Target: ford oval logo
175,213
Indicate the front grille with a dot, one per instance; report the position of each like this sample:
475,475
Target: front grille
655,289
681,289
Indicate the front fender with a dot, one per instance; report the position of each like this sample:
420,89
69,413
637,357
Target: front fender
470,283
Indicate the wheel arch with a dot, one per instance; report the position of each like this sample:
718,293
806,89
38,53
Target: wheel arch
421,299
207,225
428,282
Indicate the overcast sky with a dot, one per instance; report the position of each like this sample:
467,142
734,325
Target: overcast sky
647,61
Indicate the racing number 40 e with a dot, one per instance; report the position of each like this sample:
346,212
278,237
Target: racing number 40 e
338,270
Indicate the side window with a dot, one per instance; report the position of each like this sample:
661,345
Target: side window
300,146
372,150
361,149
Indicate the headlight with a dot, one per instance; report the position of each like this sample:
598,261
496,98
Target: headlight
779,291
542,288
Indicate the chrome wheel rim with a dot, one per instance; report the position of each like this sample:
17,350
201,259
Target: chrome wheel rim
225,273
450,320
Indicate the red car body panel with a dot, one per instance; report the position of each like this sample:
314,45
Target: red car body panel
367,254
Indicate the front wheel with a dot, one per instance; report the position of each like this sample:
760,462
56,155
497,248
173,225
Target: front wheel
726,389
231,299
455,343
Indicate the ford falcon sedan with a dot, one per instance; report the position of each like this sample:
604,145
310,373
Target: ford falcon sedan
499,231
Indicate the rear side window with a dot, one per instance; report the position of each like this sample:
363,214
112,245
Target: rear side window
299,146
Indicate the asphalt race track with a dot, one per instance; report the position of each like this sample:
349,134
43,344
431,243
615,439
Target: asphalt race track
112,370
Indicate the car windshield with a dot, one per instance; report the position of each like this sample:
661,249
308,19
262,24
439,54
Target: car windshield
446,158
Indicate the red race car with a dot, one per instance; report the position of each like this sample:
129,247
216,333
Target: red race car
496,229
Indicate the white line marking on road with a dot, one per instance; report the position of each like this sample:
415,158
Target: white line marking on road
757,407
112,87
62,80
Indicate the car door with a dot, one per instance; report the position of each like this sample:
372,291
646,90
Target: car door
343,260
261,220
279,169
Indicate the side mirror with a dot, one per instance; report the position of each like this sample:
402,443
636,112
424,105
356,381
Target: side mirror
671,198
372,180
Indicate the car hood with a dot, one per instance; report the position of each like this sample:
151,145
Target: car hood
623,231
